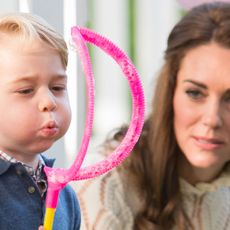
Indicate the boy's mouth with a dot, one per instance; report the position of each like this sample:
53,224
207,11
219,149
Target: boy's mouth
49,129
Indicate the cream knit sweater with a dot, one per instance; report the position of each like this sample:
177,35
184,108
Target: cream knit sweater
110,202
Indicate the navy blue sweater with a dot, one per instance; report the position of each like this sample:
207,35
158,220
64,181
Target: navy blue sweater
22,206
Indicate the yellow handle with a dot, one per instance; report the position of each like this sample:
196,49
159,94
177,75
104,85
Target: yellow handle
49,218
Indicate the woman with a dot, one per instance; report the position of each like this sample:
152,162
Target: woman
178,176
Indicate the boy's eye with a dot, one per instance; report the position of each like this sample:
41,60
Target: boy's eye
194,94
25,91
58,88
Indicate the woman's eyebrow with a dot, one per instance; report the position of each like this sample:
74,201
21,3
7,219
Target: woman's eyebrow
196,83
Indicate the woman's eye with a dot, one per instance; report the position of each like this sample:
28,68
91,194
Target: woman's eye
227,98
195,94
25,91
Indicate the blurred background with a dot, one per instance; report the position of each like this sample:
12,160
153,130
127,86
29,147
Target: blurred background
139,27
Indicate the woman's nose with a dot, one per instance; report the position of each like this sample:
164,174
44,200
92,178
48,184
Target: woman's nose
47,102
212,115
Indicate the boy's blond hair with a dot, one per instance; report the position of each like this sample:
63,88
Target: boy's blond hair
30,27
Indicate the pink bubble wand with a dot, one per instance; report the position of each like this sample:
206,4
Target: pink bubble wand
59,177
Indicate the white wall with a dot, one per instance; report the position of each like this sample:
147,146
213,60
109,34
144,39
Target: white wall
153,21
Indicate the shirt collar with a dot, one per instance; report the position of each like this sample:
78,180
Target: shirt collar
37,175
6,157
34,173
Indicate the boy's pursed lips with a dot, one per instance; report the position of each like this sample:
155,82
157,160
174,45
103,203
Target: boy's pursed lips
50,128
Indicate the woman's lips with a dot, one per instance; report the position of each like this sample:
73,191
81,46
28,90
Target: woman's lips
208,143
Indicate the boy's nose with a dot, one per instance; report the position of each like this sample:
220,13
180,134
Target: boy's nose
47,103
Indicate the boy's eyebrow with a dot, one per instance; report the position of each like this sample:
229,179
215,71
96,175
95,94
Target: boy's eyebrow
196,83
34,78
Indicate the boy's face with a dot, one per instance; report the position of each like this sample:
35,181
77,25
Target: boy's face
34,102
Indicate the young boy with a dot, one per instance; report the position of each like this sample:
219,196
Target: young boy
35,112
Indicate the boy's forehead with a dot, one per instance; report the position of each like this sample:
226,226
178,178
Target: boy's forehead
20,59
17,43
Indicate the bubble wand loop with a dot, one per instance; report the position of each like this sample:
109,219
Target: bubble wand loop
58,178
138,107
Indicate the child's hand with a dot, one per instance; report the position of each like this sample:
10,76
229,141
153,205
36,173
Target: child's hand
41,228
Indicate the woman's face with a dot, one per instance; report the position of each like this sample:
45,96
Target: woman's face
202,111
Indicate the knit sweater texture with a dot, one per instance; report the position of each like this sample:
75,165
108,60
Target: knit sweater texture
111,202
